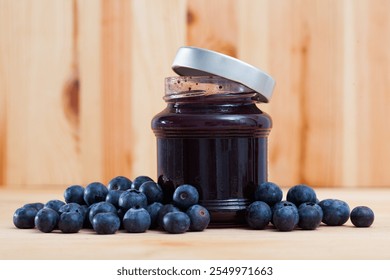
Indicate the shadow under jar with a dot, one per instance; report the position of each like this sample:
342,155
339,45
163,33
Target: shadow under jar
213,136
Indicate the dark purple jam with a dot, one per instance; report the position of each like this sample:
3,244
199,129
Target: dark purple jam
217,143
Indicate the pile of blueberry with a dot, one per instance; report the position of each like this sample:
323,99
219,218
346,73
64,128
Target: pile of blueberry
301,209
139,205
134,206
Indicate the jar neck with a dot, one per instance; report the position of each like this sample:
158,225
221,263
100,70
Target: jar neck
207,90
215,100
200,108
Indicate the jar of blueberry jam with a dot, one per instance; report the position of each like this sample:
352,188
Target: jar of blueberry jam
213,136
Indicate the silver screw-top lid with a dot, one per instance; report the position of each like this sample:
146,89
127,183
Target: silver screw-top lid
192,61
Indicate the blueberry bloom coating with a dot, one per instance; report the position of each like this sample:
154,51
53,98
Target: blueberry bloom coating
46,220
279,205
336,212
95,192
153,191
286,218
167,208
136,220
258,215
36,205
268,192
74,193
362,216
132,199
24,217
121,183
70,222
310,215
176,222
55,204
199,217
106,223
300,194
71,207
153,210
185,196
138,181
101,207
113,197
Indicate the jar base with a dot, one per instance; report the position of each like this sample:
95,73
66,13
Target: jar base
223,219
226,213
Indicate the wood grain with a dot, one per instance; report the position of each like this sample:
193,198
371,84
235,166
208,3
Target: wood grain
3,99
36,53
349,96
116,81
213,25
91,96
372,29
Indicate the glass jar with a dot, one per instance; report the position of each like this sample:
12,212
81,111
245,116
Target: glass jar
213,136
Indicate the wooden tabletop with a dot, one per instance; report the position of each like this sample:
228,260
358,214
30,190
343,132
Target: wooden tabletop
344,242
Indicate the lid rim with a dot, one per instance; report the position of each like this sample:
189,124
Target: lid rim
193,61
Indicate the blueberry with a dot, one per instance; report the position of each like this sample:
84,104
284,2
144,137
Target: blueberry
185,196
176,222
24,217
167,208
136,220
335,212
258,215
278,205
300,194
362,216
70,222
199,217
36,205
286,217
74,193
46,220
106,223
101,207
153,210
132,199
138,181
153,191
55,204
113,197
310,215
119,183
70,207
268,192
95,192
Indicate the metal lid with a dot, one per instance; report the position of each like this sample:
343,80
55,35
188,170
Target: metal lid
192,61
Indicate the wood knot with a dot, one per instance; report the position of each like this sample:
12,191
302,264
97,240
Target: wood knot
190,17
71,100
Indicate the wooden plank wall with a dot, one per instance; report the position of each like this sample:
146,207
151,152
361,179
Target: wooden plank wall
80,81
